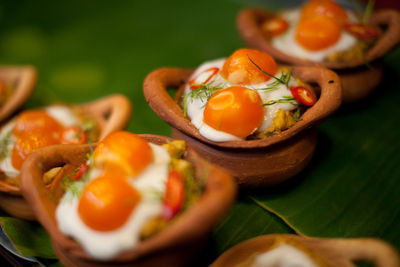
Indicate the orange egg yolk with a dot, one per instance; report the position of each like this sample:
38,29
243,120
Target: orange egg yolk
238,69
327,8
107,202
123,152
317,33
235,110
33,130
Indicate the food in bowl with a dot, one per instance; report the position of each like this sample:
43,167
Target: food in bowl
128,190
246,96
34,129
320,31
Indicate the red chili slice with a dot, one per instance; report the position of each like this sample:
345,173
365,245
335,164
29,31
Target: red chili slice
275,26
174,194
303,95
211,72
73,135
362,31
81,171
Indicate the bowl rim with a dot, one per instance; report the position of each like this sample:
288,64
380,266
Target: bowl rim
333,251
158,81
248,21
196,222
24,79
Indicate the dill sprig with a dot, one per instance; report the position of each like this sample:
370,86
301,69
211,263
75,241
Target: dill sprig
297,114
368,10
4,142
275,85
285,99
203,93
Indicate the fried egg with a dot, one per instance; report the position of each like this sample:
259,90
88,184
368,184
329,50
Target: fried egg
235,111
312,34
24,133
113,205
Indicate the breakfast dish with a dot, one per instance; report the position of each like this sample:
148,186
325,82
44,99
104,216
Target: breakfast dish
321,32
16,85
57,124
128,200
246,113
245,96
291,250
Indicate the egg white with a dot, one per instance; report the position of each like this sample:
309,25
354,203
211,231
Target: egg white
195,106
61,114
107,245
284,256
287,43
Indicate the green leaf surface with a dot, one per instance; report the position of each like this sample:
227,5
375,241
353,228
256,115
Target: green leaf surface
352,186
84,50
29,239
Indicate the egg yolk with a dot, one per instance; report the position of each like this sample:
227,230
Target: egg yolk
317,33
235,110
107,202
123,152
238,69
33,130
327,8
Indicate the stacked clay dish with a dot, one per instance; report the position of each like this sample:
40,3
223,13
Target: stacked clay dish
293,250
58,124
323,33
16,85
129,200
246,113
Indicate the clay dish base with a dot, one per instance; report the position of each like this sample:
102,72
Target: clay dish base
330,252
358,80
254,168
112,113
174,246
23,80
258,162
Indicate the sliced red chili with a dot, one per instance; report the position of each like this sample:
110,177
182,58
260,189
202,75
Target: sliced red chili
303,95
362,31
81,171
73,135
275,26
203,78
174,194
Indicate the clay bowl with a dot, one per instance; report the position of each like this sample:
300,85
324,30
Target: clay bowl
253,163
112,113
358,78
328,252
174,246
23,80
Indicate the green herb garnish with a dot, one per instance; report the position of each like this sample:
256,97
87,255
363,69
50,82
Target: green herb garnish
368,10
285,99
203,93
4,142
297,114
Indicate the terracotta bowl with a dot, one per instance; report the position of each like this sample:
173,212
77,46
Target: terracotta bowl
358,79
253,163
23,80
174,246
112,113
330,251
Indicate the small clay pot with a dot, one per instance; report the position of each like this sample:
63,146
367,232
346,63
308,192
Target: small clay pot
23,80
173,246
112,113
326,252
254,163
358,78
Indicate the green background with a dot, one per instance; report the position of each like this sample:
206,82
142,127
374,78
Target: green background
87,49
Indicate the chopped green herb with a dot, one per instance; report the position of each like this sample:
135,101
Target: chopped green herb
202,93
285,99
4,142
297,114
368,10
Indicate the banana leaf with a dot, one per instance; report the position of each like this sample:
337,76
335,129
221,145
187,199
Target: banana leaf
87,49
